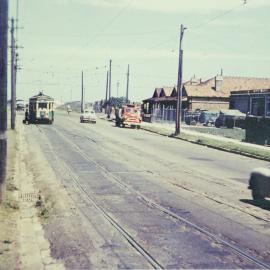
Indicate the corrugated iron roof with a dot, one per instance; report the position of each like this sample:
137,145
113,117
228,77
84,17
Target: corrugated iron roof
207,88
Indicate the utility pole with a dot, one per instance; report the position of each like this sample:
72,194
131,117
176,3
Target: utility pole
127,85
107,81
3,93
82,98
179,84
13,77
17,45
117,87
110,80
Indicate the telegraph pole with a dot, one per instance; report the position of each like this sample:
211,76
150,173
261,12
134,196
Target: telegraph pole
110,80
107,81
13,77
17,20
117,87
3,93
179,84
82,98
127,85
17,44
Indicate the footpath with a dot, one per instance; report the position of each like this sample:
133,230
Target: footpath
22,241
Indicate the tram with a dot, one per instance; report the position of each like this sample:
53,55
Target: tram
41,109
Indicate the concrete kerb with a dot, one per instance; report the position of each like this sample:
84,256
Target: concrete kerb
226,146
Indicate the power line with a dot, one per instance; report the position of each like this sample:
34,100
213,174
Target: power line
109,23
60,35
216,17
196,27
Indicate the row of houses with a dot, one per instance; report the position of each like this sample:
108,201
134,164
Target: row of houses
249,95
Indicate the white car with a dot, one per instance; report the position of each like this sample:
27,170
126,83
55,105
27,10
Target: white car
88,116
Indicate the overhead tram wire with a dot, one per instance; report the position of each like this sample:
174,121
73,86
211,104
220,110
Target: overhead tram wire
109,23
196,27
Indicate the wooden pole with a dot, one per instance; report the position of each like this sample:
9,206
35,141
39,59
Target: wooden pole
3,93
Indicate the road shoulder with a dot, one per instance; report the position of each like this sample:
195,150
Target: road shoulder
213,141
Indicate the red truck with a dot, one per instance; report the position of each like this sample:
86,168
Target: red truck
128,115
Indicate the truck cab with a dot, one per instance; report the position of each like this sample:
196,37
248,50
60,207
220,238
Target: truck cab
128,115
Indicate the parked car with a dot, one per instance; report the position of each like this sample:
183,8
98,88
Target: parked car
208,117
88,116
230,119
192,117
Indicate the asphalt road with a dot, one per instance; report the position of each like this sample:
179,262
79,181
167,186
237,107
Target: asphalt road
133,182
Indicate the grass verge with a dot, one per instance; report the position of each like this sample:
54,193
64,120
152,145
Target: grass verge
232,147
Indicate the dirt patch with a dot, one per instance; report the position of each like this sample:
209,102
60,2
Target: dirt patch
9,212
22,242
64,227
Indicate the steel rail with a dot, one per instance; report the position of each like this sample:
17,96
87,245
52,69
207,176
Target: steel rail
202,176
150,259
150,202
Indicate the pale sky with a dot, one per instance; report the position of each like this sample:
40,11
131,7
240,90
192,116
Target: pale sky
62,37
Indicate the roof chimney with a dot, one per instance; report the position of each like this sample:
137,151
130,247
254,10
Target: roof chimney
194,80
219,81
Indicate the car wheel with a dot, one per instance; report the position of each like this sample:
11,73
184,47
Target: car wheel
256,195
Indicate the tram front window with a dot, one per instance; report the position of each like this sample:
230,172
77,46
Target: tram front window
42,105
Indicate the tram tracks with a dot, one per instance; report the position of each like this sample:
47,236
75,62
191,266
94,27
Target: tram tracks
110,176
188,172
88,198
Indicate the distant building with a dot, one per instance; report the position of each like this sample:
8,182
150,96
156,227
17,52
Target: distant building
164,97
253,102
212,94
215,92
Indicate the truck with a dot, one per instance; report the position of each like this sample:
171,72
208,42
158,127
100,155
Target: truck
128,115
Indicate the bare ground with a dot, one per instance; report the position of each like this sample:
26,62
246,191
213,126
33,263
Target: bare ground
41,226
22,241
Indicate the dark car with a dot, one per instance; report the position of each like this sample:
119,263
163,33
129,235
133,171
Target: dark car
192,117
230,119
259,183
209,117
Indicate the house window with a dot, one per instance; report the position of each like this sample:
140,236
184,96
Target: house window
258,106
267,111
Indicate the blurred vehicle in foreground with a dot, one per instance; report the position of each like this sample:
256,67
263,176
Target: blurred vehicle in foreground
259,183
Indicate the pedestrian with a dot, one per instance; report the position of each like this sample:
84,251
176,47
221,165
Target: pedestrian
26,115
